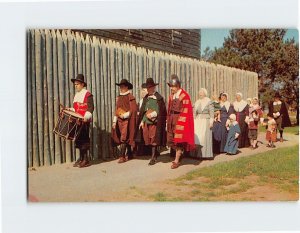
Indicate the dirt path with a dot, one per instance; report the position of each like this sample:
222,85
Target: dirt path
109,181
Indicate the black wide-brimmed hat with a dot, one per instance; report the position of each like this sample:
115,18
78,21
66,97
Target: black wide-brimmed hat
79,78
150,83
174,81
277,95
125,83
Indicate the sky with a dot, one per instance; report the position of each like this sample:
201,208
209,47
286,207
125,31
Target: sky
215,37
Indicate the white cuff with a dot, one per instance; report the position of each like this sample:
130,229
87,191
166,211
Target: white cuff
115,119
87,115
72,109
278,114
236,135
153,114
125,115
262,120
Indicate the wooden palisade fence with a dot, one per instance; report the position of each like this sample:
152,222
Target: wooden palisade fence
56,56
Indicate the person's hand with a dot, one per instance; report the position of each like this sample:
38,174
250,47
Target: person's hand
149,116
85,119
141,125
114,125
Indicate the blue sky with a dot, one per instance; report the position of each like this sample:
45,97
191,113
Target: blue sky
215,37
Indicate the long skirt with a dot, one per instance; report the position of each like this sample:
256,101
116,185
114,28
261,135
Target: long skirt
223,134
243,138
203,138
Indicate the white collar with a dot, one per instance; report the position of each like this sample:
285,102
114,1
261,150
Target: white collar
234,123
125,93
79,96
152,96
277,102
204,102
239,106
226,104
177,94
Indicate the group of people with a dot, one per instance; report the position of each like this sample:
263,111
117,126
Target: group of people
203,129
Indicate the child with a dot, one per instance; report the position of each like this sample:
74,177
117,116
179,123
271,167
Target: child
253,127
271,133
232,142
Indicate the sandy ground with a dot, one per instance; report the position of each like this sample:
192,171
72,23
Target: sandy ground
110,181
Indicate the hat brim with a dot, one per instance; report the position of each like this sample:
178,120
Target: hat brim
129,85
151,85
170,85
78,80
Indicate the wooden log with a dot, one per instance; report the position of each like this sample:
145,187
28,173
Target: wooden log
96,85
67,91
46,146
49,71
79,53
39,93
106,103
36,159
29,100
71,74
57,141
61,83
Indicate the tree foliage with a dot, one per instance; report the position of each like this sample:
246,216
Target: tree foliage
265,52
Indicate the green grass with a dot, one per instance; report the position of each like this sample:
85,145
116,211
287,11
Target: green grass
278,167
279,163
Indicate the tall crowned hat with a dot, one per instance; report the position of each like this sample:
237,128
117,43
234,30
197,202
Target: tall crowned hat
150,83
79,78
125,83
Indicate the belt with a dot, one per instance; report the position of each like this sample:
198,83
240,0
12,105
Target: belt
174,112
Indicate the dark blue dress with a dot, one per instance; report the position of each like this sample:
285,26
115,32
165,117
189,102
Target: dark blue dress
219,131
232,143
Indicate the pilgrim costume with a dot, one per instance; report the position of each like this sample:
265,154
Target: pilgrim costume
125,122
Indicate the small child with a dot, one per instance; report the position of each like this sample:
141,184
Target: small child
253,127
232,142
271,134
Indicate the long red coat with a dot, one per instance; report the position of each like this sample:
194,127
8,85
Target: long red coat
184,131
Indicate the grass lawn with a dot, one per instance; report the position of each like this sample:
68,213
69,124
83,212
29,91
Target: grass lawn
272,175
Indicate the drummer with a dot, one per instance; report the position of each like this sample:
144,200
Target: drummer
84,105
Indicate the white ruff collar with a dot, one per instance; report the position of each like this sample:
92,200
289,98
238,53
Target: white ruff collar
152,96
226,104
125,93
79,96
203,102
239,106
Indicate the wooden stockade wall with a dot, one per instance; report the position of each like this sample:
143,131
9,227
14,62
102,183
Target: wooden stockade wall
54,57
183,42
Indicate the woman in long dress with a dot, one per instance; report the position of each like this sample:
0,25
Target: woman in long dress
241,109
226,109
204,117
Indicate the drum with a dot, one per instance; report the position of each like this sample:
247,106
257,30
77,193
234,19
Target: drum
69,125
